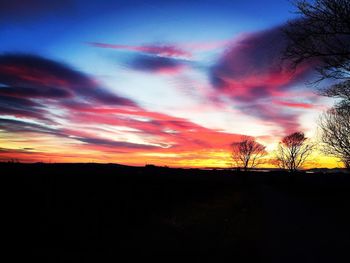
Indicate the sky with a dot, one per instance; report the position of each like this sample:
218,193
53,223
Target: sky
149,82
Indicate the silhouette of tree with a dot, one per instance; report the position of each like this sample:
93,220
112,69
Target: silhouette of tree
340,91
293,151
335,127
247,153
322,34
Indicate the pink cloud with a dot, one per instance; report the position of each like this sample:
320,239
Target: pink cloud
183,50
161,50
88,116
253,75
30,83
178,133
296,104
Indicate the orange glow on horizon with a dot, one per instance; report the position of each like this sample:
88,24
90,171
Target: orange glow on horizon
62,152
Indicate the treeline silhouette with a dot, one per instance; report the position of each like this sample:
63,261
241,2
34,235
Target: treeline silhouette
90,212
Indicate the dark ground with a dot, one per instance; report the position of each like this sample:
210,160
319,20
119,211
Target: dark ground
90,212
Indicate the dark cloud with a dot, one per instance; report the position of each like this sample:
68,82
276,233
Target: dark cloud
156,64
52,92
12,151
21,107
17,126
119,144
35,70
256,61
252,74
44,76
29,84
9,101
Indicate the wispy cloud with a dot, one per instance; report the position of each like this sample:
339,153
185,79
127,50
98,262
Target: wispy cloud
160,50
178,50
42,97
30,83
156,64
255,78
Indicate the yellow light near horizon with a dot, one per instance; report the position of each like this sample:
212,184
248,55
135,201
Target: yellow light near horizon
48,148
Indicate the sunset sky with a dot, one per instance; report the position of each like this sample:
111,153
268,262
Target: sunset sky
149,82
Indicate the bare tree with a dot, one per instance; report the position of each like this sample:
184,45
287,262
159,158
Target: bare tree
247,153
340,91
293,151
321,35
335,128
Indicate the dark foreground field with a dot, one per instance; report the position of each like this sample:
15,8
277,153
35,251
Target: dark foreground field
89,212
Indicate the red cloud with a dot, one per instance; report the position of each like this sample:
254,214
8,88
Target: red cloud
175,134
30,83
45,98
252,74
296,104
